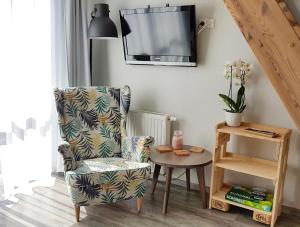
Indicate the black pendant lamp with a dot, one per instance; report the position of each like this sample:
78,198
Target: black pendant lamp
102,27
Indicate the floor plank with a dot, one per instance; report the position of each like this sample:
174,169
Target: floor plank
52,207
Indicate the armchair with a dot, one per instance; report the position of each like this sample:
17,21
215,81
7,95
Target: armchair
102,165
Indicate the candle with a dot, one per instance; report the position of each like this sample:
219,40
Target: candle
177,140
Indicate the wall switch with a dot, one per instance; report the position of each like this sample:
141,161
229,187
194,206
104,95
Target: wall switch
209,23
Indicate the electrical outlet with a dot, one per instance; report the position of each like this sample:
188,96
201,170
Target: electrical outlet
210,23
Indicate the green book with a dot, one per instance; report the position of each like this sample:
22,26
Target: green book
256,199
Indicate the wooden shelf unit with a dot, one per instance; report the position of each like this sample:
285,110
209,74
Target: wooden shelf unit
267,169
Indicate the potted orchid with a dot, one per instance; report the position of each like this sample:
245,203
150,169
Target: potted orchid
240,71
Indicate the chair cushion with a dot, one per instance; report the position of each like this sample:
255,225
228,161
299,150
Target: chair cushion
106,180
106,171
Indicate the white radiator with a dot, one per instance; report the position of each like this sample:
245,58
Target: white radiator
143,123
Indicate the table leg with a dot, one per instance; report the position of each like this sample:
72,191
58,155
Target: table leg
155,177
201,180
188,179
167,189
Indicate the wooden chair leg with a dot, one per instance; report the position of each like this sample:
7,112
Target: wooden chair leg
139,203
77,212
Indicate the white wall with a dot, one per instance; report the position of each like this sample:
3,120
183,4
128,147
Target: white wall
191,93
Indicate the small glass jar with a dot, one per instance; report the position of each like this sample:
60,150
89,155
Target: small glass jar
177,140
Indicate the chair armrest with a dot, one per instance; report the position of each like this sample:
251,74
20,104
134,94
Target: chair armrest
137,148
69,160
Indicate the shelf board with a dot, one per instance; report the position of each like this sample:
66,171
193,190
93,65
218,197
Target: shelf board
249,165
220,196
240,131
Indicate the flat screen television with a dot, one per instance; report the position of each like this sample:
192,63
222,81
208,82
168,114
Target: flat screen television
160,35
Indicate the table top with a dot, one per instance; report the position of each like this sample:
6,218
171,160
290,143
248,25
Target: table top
172,160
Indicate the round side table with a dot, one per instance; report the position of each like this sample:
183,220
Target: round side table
170,161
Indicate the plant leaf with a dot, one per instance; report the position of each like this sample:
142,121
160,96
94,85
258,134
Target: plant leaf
239,98
229,102
242,109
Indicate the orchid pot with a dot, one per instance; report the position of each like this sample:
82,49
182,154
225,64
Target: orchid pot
234,119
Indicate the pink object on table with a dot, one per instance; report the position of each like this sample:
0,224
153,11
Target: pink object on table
177,140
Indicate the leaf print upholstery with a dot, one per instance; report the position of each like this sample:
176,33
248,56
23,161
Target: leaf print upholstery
59,102
115,93
102,165
125,101
71,109
82,97
82,117
86,187
69,160
71,129
106,180
102,104
89,117
137,148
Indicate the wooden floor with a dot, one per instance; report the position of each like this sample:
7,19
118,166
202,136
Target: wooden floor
52,207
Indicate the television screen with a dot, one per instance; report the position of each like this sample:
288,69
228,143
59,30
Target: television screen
164,35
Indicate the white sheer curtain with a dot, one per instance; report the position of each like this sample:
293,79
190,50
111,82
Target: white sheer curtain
43,44
26,93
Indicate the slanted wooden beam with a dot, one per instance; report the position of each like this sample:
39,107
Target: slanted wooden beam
297,30
288,14
274,41
290,17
